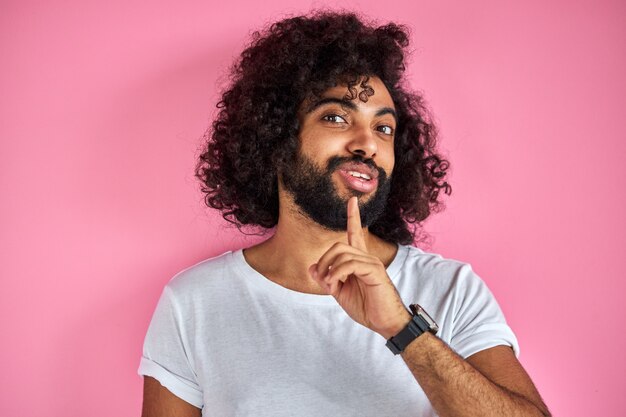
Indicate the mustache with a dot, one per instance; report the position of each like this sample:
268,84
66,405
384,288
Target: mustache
336,161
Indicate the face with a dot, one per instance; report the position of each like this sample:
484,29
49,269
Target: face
346,149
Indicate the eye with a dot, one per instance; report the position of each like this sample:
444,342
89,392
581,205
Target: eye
387,130
334,118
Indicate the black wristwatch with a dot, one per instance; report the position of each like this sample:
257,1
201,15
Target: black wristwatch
419,324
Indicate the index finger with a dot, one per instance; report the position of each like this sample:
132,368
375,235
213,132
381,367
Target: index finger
356,238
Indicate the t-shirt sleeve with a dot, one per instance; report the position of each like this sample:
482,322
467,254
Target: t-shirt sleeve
478,323
166,354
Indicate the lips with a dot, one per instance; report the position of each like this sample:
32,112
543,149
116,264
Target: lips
360,168
359,177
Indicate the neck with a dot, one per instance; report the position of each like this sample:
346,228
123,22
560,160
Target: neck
297,243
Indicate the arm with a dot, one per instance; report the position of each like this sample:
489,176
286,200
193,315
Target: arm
165,363
158,401
490,383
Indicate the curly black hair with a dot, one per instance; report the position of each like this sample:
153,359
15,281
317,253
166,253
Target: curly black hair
255,133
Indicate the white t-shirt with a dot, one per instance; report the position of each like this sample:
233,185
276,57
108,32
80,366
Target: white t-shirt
228,340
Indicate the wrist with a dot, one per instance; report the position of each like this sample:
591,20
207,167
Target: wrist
419,324
396,327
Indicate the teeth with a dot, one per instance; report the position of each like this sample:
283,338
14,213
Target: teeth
359,175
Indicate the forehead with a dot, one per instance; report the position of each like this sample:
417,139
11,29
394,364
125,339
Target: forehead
366,93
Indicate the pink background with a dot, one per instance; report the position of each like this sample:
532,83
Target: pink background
103,105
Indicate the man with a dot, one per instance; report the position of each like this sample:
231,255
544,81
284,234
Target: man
318,139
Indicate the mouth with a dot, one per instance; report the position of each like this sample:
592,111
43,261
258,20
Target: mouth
359,177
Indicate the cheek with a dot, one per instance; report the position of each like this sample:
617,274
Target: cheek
320,142
387,157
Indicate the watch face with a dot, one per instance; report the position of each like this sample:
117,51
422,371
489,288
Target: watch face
418,310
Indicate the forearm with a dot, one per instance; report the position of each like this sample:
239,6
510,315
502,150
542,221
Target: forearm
455,388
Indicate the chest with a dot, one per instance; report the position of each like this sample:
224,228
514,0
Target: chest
305,363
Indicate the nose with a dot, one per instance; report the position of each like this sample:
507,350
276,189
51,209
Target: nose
363,143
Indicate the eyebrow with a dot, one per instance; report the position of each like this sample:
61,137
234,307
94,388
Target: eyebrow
350,105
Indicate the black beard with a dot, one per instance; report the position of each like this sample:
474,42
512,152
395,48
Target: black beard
316,196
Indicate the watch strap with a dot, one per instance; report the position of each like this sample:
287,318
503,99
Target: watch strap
416,327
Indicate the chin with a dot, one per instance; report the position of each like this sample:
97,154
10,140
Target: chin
346,193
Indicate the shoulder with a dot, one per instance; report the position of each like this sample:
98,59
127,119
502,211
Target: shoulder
467,312
439,277
433,266
202,277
